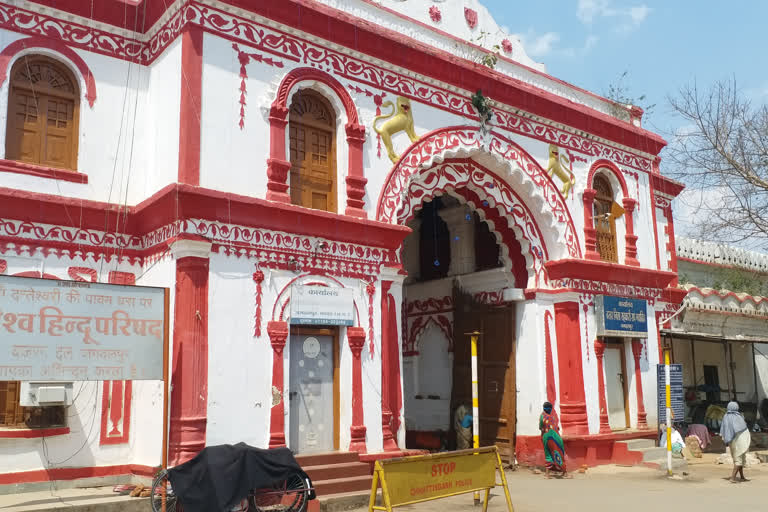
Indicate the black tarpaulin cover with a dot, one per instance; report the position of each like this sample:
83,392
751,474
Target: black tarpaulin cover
219,477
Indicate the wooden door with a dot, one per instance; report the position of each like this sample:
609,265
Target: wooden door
497,387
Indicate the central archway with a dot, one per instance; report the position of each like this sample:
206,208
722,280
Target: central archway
542,218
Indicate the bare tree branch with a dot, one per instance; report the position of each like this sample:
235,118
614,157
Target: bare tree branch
722,154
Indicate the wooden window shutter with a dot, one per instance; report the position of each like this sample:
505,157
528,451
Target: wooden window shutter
11,412
43,112
605,222
311,134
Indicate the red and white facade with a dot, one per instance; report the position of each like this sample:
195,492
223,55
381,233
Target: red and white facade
182,182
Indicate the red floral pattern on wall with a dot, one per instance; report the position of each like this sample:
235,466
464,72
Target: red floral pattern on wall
471,16
435,14
506,45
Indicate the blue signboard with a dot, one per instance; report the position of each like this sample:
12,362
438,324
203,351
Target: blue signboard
676,392
619,316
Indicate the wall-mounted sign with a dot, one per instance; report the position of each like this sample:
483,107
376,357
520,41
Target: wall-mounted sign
69,330
321,305
618,316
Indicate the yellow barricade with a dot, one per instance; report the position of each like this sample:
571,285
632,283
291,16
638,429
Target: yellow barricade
410,480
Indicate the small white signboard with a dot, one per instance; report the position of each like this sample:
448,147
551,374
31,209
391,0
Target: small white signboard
320,305
69,330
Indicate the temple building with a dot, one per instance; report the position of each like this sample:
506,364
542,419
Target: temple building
335,192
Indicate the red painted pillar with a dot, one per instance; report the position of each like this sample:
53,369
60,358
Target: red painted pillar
642,417
630,253
590,234
549,363
356,336
389,367
605,427
189,378
573,407
356,180
190,104
277,165
278,334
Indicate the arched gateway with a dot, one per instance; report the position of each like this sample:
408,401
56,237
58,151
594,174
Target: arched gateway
465,197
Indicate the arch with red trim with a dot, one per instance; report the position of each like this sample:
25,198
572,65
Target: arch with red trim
544,208
30,43
278,166
450,160
613,169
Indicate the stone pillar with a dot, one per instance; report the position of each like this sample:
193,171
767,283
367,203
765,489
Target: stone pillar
462,233
573,406
411,250
356,180
590,234
356,338
278,334
642,417
630,254
189,378
605,427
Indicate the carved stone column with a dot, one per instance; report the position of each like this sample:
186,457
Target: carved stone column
590,234
356,180
642,417
356,337
630,254
462,233
278,334
277,165
189,378
411,249
605,427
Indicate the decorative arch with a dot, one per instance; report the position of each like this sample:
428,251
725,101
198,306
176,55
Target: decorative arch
441,321
615,171
9,53
495,202
552,227
277,164
590,234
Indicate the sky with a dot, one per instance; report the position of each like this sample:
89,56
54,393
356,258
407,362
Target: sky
662,45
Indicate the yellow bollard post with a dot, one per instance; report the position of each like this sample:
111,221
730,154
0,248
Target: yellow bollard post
669,410
475,401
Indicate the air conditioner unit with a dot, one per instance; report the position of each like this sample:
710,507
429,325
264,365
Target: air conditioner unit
41,394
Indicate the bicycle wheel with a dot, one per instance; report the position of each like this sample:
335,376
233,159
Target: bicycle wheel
161,485
290,495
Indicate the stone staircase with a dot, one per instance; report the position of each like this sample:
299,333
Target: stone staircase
653,456
340,479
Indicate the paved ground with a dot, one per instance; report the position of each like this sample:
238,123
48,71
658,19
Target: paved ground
621,489
607,488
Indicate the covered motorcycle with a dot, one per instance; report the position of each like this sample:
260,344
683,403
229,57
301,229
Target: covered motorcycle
220,477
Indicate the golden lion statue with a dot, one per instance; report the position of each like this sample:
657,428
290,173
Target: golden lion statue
399,120
560,166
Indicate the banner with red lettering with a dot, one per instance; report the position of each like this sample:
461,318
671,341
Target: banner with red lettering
73,331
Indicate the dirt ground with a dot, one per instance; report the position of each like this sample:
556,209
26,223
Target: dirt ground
705,488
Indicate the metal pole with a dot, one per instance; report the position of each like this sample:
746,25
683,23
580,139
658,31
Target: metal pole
669,410
166,379
475,401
